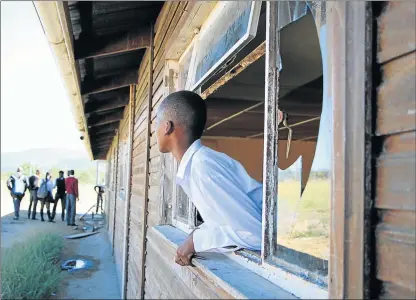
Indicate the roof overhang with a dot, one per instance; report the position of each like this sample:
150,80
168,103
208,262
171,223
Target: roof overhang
98,48
53,16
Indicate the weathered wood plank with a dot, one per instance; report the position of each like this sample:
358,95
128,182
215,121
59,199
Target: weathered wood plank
397,30
166,29
396,173
397,96
393,291
195,15
170,285
396,255
157,83
139,136
154,165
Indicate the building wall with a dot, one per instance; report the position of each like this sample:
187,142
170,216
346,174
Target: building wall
161,280
394,158
395,146
120,203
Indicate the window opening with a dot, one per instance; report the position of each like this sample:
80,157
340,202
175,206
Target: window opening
235,126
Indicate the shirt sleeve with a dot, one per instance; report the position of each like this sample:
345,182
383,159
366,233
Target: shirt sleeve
234,210
207,239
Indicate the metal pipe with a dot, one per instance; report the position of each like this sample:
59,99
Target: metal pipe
290,126
235,115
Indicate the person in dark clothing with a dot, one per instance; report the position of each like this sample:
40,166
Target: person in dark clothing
60,195
34,182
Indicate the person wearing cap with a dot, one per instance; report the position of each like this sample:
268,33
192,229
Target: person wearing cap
17,185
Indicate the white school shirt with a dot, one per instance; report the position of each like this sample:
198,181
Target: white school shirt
228,199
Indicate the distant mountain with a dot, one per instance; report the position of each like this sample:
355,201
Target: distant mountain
46,159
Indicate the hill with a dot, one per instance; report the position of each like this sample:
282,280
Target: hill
46,159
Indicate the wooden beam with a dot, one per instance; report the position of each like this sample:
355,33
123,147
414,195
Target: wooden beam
255,55
109,128
89,47
102,135
270,161
108,83
105,105
350,53
102,146
106,119
102,140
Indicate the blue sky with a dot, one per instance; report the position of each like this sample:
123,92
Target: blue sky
35,108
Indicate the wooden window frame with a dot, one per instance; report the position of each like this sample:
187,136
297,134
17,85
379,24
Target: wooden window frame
190,224
247,37
349,47
124,158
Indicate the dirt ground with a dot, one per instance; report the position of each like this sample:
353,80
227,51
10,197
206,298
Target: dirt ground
100,282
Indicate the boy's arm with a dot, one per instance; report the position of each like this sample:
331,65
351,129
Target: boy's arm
185,252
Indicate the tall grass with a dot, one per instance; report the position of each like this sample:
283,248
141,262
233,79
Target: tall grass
29,269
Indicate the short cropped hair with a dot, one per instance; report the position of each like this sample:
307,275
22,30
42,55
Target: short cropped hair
187,109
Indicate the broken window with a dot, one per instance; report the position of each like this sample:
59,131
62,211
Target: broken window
295,154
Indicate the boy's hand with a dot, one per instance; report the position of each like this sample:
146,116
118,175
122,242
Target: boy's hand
185,252
280,114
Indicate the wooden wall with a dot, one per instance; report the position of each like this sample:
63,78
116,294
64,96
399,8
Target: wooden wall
111,193
395,148
137,193
120,203
158,267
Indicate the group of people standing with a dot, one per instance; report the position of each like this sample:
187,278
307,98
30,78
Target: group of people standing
41,189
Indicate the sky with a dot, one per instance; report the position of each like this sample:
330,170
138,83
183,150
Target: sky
35,108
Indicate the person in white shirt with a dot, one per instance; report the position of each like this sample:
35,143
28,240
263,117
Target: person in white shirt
227,198
17,185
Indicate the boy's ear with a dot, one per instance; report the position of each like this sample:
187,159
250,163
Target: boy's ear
169,127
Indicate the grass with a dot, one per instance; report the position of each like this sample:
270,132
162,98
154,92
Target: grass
303,222
29,269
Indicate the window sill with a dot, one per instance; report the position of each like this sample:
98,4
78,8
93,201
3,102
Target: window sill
234,278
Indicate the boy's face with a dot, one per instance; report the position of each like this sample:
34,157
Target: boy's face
162,133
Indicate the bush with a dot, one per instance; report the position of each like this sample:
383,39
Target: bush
29,270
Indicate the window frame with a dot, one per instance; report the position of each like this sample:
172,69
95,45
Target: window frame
244,40
123,169
190,224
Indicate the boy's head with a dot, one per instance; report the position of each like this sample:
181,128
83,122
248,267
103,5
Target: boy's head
181,118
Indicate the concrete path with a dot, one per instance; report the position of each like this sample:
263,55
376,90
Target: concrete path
99,283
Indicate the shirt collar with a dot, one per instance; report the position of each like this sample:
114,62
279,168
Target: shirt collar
187,157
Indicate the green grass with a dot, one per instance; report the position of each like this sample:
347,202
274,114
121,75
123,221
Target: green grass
30,270
303,224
